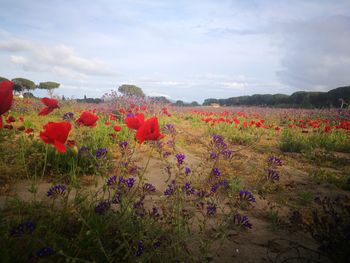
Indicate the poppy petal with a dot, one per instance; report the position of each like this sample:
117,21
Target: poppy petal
60,146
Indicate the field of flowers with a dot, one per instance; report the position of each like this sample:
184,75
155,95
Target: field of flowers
132,180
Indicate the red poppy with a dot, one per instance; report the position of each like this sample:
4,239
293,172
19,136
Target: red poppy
11,119
21,128
51,104
135,122
117,128
87,119
71,143
107,123
29,130
56,133
149,131
6,97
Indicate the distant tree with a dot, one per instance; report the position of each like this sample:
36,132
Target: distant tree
179,103
22,84
85,97
131,90
2,79
28,95
194,103
49,86
160,99
210,101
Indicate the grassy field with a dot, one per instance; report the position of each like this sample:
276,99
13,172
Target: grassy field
212,185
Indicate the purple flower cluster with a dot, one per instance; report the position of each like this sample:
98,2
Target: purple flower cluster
213,155
218,142
211,209
188,170
215,187
272,175
114,181
56,191
166,154
180,158
240,220
169,191
22,228
226,153
123,145
45,251
188,189
83,150
149,187
274,161
169,129
245,195
102,207
101,152
68,116
130,182
140,248
216,172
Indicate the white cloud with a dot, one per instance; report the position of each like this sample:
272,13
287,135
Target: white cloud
59,59
18,60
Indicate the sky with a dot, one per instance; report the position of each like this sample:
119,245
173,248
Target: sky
184,49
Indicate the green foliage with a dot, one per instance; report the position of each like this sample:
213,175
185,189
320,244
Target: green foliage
306,197
2,79
25,83
48,85
131,90
294,141
300,99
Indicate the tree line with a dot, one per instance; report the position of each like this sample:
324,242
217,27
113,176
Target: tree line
301,99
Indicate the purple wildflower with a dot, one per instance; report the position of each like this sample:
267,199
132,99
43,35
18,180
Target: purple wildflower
166,154
123,145
149,187
272,175
211,209
130,182
139,204
246,196
101,152
45,251
112,181
83,150
180,158
216,172
188,170
68,116
169,129
188,189
274,161
154,212
102,207
22,228
226,153
170,189
117,198
58,190
140,248
240,220
213,155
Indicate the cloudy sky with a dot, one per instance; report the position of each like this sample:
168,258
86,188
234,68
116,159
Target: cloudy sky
184,49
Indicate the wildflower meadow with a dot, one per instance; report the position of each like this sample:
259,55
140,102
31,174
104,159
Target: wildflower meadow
137,180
